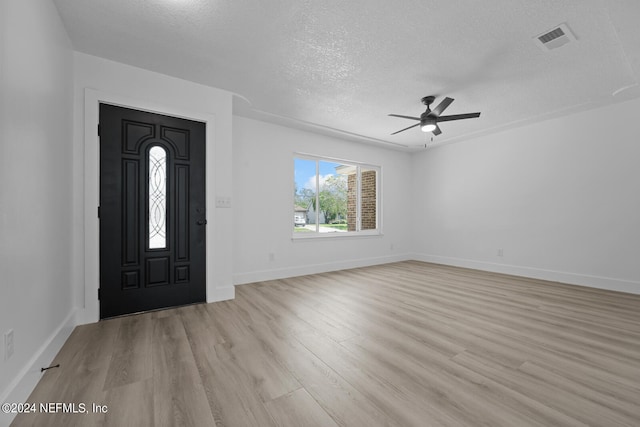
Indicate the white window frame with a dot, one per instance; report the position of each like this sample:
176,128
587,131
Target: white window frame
359,166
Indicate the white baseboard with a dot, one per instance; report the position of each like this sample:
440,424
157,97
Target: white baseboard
607,283
27,379
281,273
222,294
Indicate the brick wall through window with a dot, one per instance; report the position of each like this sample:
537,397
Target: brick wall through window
367,200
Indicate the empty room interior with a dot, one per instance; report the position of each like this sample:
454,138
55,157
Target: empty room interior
293,213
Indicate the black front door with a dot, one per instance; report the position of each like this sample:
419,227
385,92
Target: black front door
152,211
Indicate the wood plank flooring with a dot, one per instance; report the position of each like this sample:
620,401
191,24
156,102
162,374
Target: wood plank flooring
403,344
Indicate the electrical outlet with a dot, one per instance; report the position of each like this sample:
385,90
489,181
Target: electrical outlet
500,252
8,344
272,256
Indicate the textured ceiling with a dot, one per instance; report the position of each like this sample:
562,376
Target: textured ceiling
339,67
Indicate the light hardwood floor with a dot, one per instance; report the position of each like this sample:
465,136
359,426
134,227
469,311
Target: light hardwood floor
403,344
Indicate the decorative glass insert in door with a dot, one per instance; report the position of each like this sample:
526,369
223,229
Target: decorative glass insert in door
157,198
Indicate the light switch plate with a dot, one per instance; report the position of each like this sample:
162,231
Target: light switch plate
223,202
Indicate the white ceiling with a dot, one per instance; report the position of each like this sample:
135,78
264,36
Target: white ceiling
339,67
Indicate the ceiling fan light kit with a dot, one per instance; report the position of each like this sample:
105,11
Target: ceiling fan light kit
428,121
428,127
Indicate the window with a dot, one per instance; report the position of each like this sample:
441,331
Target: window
335,197
157,238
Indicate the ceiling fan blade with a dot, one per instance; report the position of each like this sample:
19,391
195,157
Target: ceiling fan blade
404,117
441,107
458,117
402,130
437,130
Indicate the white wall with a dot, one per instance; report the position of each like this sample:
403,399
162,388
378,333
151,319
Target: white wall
561,198
98,79
35,187
263,183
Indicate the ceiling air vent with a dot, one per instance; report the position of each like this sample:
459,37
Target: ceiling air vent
554,38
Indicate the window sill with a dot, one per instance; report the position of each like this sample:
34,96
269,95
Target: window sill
335,235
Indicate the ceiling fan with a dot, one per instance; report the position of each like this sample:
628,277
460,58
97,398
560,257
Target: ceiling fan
430,118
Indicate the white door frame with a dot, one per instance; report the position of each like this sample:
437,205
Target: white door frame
92,100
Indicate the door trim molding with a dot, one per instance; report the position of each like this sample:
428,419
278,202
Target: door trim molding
92,100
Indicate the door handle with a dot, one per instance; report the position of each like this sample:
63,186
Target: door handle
201,222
